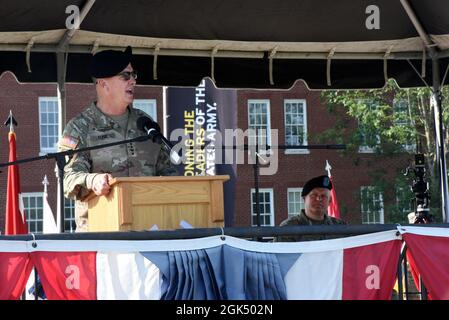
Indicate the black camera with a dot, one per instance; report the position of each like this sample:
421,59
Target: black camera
420,189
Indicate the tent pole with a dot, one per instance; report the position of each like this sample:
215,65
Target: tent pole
61,63
437,101
61,70
437,98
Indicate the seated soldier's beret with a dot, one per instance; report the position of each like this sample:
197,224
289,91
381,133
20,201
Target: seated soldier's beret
109,63
317,182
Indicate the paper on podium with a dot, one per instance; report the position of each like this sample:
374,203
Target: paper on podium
185,225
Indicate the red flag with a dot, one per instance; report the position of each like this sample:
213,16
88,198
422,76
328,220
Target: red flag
333,210
15,219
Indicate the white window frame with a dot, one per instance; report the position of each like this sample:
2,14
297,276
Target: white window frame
363,148
301,203
69,204
304,103
367,213
152,105
263,190
268,132
45,150
401,190
27,213
409,147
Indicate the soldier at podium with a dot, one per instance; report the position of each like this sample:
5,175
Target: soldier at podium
109,119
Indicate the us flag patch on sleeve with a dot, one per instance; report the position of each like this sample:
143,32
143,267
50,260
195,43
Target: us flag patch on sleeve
69,142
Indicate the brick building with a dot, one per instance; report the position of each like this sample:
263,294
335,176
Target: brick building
298,114
301,110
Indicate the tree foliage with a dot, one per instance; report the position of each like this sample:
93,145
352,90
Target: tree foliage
388,122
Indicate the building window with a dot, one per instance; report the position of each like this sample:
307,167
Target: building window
266,207
295,201
369,138
402,118
295,117
48,124
372,205
404,197
149,106
33,207
259,122
69,215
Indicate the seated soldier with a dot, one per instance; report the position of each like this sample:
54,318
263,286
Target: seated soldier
316,194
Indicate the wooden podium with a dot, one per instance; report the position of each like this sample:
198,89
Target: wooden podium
138,203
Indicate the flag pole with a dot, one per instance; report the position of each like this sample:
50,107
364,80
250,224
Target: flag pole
328,168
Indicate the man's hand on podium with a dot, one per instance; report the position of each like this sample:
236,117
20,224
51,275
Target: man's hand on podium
100,185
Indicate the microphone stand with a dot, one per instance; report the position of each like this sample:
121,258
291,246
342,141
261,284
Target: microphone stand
60,161
256,165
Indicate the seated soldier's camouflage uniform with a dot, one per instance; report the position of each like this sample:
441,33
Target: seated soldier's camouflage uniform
93,127
303,219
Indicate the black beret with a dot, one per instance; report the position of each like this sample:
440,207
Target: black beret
317,182
109,63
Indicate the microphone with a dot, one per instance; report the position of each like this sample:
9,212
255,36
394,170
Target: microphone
153,130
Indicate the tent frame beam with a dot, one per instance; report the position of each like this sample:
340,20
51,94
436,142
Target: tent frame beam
419,28
68,35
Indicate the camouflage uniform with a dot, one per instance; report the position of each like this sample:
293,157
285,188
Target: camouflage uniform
303,219
92,127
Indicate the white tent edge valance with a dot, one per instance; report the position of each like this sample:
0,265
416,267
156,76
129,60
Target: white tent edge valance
89,42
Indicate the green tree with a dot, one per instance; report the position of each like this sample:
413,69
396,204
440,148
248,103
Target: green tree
390,122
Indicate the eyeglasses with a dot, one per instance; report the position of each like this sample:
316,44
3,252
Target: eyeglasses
126,75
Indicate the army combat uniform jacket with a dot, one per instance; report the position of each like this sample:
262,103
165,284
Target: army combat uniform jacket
93,127
303,219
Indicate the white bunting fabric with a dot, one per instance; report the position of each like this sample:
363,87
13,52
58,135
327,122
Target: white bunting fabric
360,267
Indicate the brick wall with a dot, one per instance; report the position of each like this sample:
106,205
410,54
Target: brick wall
348,173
